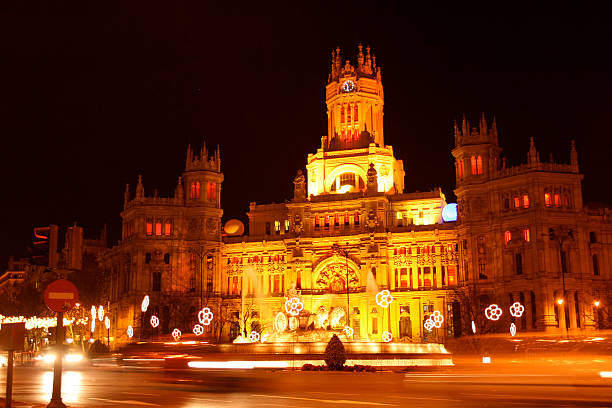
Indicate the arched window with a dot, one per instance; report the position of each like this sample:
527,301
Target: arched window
158,228
507,237
348,113
479,164
525,200
547,199
474,168
212,190
342,114
460,169
506,203
168,228
517,202
557,200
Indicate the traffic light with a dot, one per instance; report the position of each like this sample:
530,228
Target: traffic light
45,246
551,234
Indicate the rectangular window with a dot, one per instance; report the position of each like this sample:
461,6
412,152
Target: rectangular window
337,220
212,190
595,265
268,228
526,235
482,269
148,258
156,281
427,277
547,199
286,225
158,228
326,221
525,201
404,278
557,200
235,286
168,229
167,259
592,237
517,202
563,262
356,221
479,164
277,227
474,168
346,219
518,263
276,288
452,274
317,222
375,325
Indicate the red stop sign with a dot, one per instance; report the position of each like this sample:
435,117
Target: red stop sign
61,295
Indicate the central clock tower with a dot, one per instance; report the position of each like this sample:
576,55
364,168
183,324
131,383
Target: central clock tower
354,149
355,100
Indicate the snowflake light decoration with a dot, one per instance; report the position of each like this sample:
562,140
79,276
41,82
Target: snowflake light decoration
93,312
437,319
145,304
280,322
294,306
493,312
198,330
512,329
348,330
429,324
254,337
176,334
387,336
473,327
205,316
384,298
517,309
101,313
130,332
154,321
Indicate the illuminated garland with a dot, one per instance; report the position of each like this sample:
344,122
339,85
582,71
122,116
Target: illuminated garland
198,330
517,309
107,323
348,330
41,322
280,322
176,334
101,313
294,306
254,337
493,312
205,316
130,332
387,336
512,329
154,321
293,323
384,298
145,304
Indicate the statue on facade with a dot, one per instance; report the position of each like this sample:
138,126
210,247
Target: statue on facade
299,190
372,179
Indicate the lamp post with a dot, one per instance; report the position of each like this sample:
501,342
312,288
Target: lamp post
561,234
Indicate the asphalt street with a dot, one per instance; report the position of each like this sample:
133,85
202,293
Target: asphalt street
469,386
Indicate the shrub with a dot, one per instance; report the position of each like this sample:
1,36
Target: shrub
98,348
308,367
334,354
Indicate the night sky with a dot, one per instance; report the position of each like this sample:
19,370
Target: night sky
92,96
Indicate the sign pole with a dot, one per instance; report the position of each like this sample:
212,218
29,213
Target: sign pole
56,398
9,379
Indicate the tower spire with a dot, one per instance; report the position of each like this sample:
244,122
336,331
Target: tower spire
483,125
573,156
126,195
139,188
532,156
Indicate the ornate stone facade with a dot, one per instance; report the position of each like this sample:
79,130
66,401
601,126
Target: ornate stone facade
350,225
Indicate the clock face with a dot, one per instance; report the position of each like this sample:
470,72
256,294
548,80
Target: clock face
348,86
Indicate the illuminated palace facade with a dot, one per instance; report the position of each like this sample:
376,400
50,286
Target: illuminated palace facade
351,224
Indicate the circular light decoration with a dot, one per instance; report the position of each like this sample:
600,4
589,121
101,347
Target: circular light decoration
107,323
473,327
429,324
254,337
517,309
198,330
293,323
154,321
93,312
384,298
145,304
348,330
493,312
294,306
130,332
205,316
437,319
101,313
449,212
387,336
176,334
512,329
280,322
